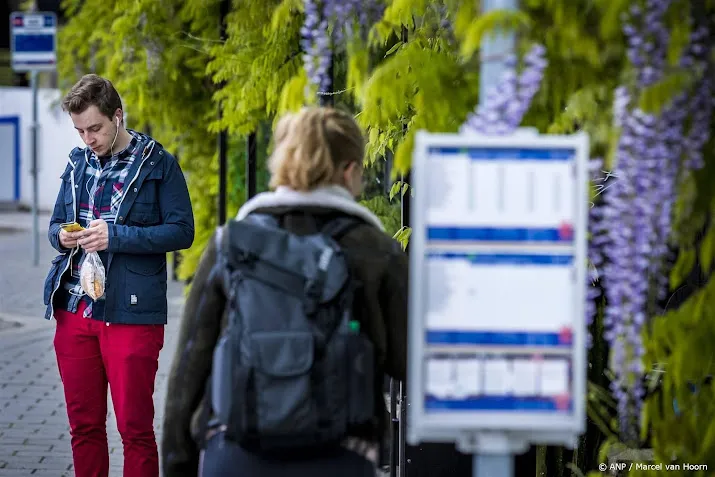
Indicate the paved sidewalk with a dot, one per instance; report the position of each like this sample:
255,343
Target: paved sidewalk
34,434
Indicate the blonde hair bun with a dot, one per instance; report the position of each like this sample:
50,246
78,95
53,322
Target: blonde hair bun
311,145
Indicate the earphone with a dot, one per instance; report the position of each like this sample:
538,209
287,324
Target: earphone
116,133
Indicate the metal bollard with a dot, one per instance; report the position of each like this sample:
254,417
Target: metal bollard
398,428
394,429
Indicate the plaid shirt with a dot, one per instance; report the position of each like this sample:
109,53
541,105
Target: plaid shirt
100,195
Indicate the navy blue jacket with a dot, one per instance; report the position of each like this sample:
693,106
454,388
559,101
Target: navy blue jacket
155,217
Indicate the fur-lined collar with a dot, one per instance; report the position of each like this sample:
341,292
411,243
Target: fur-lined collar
332,197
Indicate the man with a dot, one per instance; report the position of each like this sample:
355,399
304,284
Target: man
130,196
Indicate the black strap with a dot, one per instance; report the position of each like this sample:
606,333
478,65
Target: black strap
339,227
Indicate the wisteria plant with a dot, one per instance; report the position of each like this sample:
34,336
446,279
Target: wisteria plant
327,25
632,227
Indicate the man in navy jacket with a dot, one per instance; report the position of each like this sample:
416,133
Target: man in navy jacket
130,197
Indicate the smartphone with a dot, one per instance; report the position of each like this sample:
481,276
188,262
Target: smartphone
71,227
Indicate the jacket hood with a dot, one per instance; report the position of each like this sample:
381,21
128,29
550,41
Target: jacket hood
331,197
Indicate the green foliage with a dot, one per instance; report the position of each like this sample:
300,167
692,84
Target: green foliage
388,212
417,87
683,341
260,57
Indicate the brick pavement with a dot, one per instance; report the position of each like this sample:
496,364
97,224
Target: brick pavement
34,434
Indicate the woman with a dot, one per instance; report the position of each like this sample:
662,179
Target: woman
316,174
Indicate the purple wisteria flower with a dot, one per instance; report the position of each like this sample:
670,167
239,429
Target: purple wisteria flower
324,31
316,44
505,105
631,230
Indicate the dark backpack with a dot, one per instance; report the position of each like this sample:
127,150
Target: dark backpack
292,370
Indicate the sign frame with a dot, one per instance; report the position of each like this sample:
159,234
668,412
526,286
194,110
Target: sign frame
33,61
488,431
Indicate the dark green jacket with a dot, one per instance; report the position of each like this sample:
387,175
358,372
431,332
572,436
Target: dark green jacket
378,262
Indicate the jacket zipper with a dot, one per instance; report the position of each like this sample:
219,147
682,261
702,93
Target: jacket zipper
145,155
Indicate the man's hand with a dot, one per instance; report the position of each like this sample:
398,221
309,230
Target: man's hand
96,237
69,239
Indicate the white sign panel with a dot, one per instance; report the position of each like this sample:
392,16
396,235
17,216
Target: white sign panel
33,41
497,287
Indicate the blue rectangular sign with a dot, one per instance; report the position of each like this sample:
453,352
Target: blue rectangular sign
33,41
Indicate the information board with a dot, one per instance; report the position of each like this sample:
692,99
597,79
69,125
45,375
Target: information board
497,287
33,41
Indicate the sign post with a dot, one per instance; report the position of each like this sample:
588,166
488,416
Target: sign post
497,342
33,43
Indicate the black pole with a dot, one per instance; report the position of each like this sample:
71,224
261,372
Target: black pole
394,427
222,173
405,219
251,165
176,255
398,458
222,135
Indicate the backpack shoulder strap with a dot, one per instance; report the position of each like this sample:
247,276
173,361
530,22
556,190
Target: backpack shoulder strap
339,227
264,220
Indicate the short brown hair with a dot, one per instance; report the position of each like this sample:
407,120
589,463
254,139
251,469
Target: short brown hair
92,90
311,145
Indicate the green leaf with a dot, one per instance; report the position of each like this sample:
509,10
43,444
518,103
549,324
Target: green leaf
394,48
491,23
706,250
655,97
403,236
395,189
293,93
682,267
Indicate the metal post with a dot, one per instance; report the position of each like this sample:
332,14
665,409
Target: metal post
251,160
405,221
222,173
493,465
35,175
176,254
394,427
494,52
222,135
494,49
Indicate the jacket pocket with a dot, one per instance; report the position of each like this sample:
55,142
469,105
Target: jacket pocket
56,268
144,289
144,215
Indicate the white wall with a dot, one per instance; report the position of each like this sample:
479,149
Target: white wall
56,138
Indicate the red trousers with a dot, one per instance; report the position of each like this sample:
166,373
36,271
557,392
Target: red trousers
92,356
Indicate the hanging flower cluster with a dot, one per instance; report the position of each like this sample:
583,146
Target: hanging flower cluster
315,41
630,231
326,25
504,107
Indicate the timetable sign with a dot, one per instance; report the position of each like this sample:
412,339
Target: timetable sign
33,41
498,264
